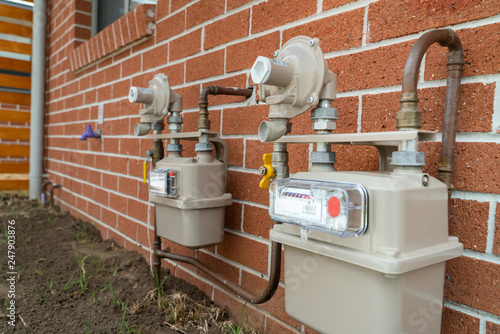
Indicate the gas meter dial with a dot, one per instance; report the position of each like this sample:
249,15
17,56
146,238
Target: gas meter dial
331,207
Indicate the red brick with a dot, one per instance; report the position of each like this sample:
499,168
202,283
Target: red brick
254,152
329,4
204,66
127,227
235,151
455,322
129,146
131,66
175,73
394,18
127,186
492,328
475,109
238,81
245,251
121,89
481,49
276,305
339,32
145,15
469,222
162,9
496,241
272,326
243,55
190,96
476,165
243,120
112,235
232,4
155,57
245,186
275,13
110,145
227,29
229,272
348,158
171,26
474,283
118,203
257,221
186,45
132,26
203,11
176,4
109,217
233,216
373,68
137,210
239,311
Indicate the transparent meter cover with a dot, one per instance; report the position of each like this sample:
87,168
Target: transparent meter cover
163,182
332,207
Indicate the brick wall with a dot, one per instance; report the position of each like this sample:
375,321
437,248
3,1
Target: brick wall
205,42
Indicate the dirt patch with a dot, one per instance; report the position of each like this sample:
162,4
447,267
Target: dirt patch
69,280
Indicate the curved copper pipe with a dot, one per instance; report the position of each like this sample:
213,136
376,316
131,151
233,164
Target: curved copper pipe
203,121
410,118
272,284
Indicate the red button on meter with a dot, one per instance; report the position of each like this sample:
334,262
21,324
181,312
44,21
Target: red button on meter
334,206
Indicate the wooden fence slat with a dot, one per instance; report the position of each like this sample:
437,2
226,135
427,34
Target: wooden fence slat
15,98
15,167
16,13
6,185
15,65
15,47
14,133
15,116
13,150
15,81
15,29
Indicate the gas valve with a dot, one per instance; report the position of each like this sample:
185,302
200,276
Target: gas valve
267,171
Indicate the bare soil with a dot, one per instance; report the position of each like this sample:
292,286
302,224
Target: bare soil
69,280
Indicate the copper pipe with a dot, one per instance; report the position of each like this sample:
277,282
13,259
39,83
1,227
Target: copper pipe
272,284
410,118
203,121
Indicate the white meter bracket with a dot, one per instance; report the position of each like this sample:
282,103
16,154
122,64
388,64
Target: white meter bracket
331,207
163,182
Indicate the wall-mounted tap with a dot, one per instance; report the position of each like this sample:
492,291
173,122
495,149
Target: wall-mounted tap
89,133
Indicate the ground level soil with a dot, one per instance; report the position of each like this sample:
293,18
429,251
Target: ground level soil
68,280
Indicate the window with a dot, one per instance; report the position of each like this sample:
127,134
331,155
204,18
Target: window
105,12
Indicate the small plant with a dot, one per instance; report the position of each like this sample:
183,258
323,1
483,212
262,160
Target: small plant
28,239
81,236
231,329
49,222
82,281
43,294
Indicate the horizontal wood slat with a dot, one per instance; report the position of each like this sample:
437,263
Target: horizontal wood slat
6,185
15,47
14,133
16,29
15,81
16,13
15,65
15,98
15,167
14,116
12,150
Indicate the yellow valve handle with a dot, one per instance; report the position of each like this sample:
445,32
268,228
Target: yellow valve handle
145,167
267,171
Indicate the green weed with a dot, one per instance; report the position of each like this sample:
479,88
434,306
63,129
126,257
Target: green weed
43,294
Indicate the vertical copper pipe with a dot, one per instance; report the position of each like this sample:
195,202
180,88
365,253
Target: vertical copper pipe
158,153
410,118
203,121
